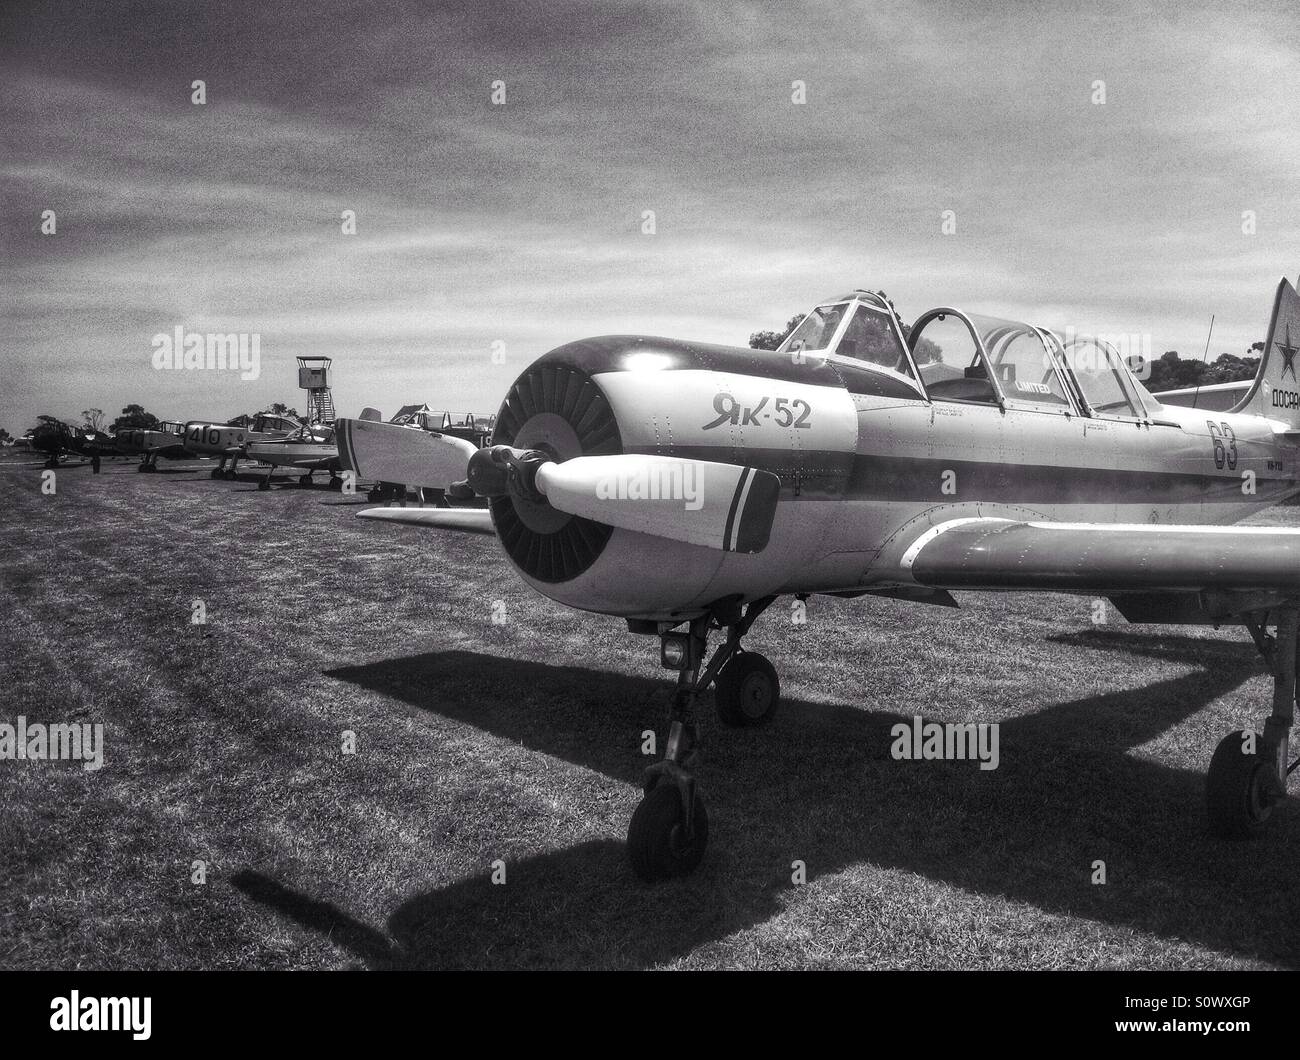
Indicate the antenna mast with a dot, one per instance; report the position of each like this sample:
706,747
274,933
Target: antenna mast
1204,360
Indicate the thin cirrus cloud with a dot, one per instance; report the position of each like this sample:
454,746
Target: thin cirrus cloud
521,224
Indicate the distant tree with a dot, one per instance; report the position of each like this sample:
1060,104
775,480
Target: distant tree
1228,368
134,417
770,340
93,419
5,436
281,409
1171,372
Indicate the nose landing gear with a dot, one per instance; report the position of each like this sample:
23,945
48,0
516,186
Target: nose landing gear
670,828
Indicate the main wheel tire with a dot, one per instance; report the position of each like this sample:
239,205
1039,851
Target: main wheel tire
336,483
263,484
230,474
1238,788
656,836
304,480
217,473
748,690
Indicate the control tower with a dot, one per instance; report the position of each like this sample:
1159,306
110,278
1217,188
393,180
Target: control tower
313,377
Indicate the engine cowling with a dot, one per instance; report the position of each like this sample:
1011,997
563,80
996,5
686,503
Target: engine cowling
631,394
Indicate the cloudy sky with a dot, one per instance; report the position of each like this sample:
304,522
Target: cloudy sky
522,224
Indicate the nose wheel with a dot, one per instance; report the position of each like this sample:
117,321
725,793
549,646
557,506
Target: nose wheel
667,834
669,831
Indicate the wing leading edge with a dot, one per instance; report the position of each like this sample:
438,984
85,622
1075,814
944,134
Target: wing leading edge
988,553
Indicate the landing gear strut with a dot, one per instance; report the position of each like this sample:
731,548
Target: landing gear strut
1247,775
670,828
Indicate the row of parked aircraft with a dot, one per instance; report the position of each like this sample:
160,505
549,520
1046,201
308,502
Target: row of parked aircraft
270,440
684,487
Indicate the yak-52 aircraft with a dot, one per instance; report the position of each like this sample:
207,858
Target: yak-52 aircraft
684,487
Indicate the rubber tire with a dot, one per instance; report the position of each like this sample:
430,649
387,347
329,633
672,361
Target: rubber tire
262,484
650,835
747,691
1234,785
230,474
304,480
336,483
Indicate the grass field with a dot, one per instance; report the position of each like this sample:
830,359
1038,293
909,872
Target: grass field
520,741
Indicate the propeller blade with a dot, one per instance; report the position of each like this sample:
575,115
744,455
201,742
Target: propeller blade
389,452
469,520
722,506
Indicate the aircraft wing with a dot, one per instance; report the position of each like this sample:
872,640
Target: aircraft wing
468,520
1102,558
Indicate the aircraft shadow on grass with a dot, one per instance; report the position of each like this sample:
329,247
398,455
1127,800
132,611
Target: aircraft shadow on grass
819,785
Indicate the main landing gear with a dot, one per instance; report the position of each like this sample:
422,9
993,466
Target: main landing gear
1248,772
670,828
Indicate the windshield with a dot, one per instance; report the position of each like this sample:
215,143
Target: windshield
871,337
817,330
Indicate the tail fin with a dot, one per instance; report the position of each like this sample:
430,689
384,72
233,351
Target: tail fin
374,415
1276,390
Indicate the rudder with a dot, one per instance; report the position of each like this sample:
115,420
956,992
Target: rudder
1276,390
